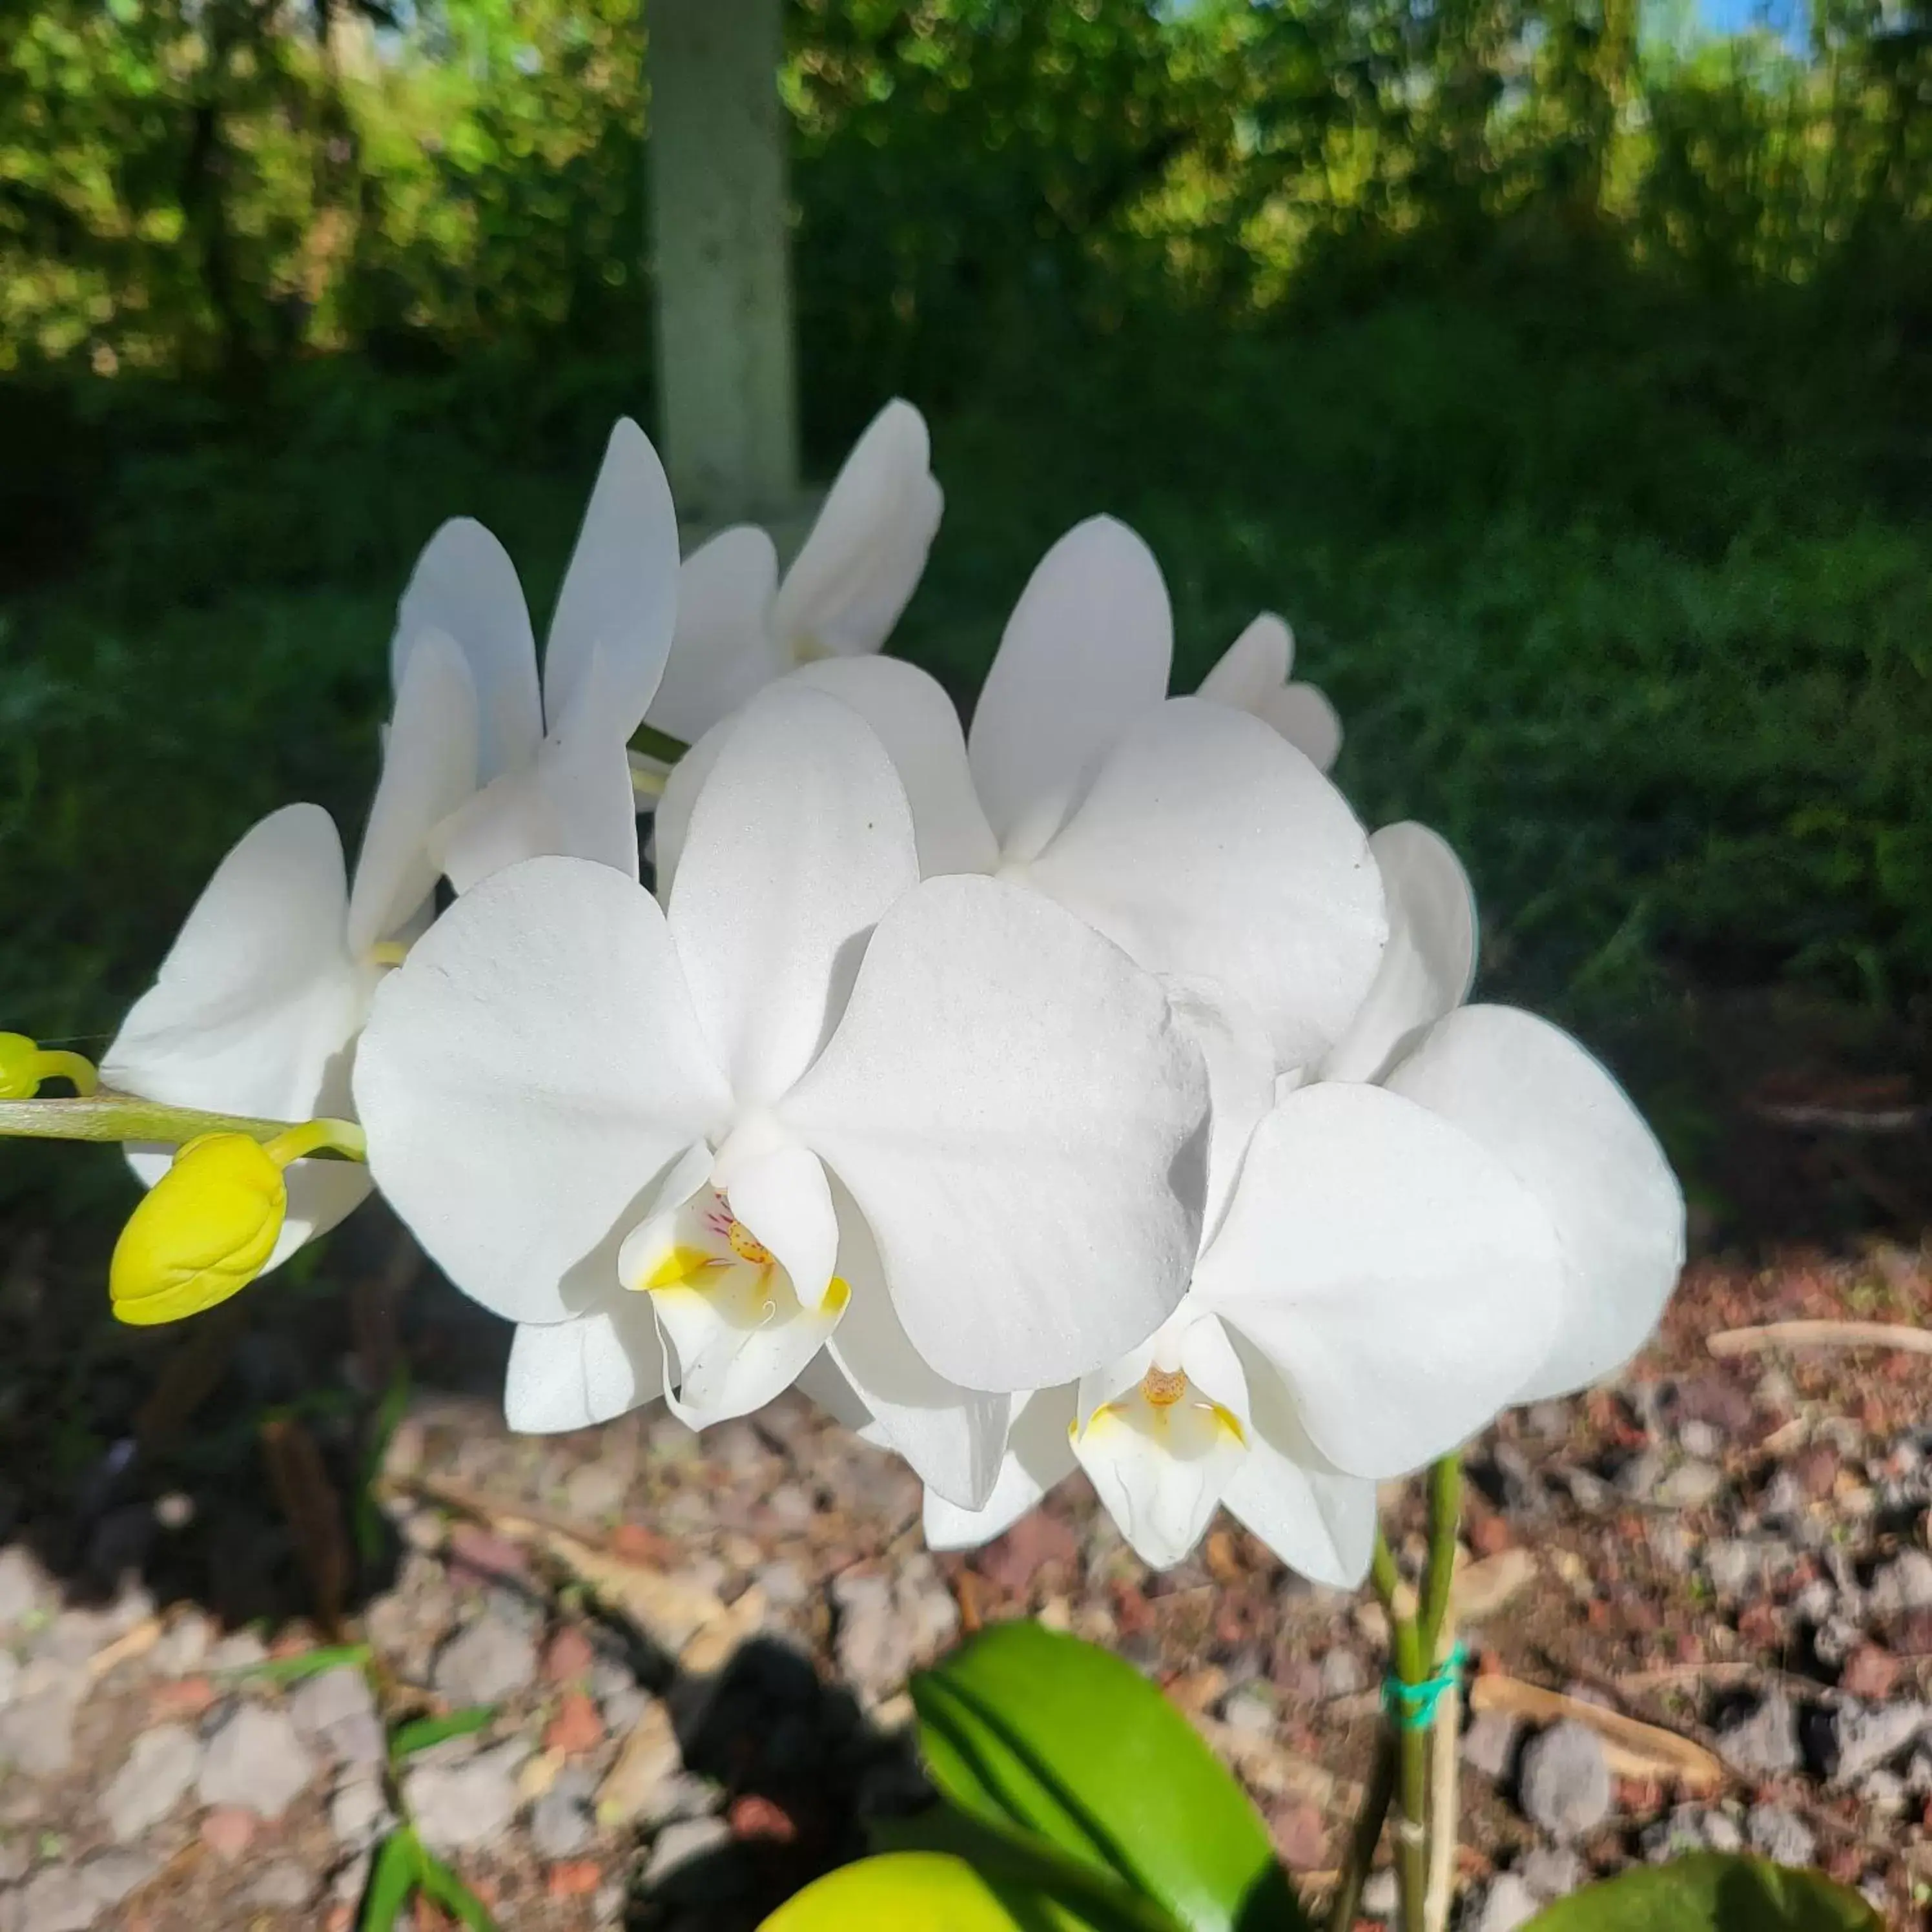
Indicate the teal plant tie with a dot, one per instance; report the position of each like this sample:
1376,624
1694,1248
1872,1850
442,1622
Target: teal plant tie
1412,1706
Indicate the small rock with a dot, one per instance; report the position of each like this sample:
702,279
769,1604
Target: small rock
57,1900
681,1844
254,1761
1871,1673
1733,1566
1565,1780
457,1807
1779,1835
1815,1469
1702,1440
283,1886
1904,1584
23,1587
569,1657
1551,1871
1300,1834
487,1663
228,1830
594,1491
111,1877
359,1812
14,1859
1865,1739
1381,1894
183,1647
1764,1741
240,1650
1689,1485
1501,1905
1637,1476
561,1825
1882,1793
37,1728
9,1675
162,1764
1342,1674
1489,1745
1816,1602
576,1728
318,1704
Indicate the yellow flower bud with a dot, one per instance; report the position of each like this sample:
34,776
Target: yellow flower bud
19,1066
205,1231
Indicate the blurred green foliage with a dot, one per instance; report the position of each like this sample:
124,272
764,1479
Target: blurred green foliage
1568,386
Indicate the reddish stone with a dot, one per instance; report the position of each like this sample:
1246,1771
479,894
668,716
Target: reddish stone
1301,1835
188,1697
1912,1633
340,1919
576,1728
291,1643
755,1816
1870,1673
1846,1864
1815,1468
227,1831
1491,1535
636,1544
575,1878
1036,1540
493,1557
1758,1625
569,1657
1690,1647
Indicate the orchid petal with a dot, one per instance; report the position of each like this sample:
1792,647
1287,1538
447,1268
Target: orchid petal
799,840
1397,1275
858,566
1210,850
1320,1523
429,769
1241,1081
916,722
527,1074
572,1375
1038,1457
1021,1121
1303,715
255,1009
783,1197
1161,1455
952,1437
619,602
1539,1104
575,800
1085,655
1430,961
725,653
1256,664
465,586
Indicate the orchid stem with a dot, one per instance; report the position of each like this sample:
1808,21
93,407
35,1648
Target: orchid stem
108,1116
1416,1643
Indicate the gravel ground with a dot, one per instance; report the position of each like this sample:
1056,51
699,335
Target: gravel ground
694,1651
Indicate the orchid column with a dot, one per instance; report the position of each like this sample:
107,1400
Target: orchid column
719,208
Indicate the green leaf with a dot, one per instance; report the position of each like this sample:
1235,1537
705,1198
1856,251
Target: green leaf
421,1733
443,1886
1073,1895
397,1866
309,1663
907,1891
1712,1892
1026,1728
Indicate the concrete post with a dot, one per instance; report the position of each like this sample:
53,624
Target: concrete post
728,390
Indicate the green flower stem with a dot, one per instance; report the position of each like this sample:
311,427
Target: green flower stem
1367,1835
1414,1643
652,743
108,1116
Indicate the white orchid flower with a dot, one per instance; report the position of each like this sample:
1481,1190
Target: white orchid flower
943,1130
1253,675
1191,834
256,1008
740,626
1500,1225
553,772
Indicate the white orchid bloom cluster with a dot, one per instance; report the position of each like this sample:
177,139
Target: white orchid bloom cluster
1084,1090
